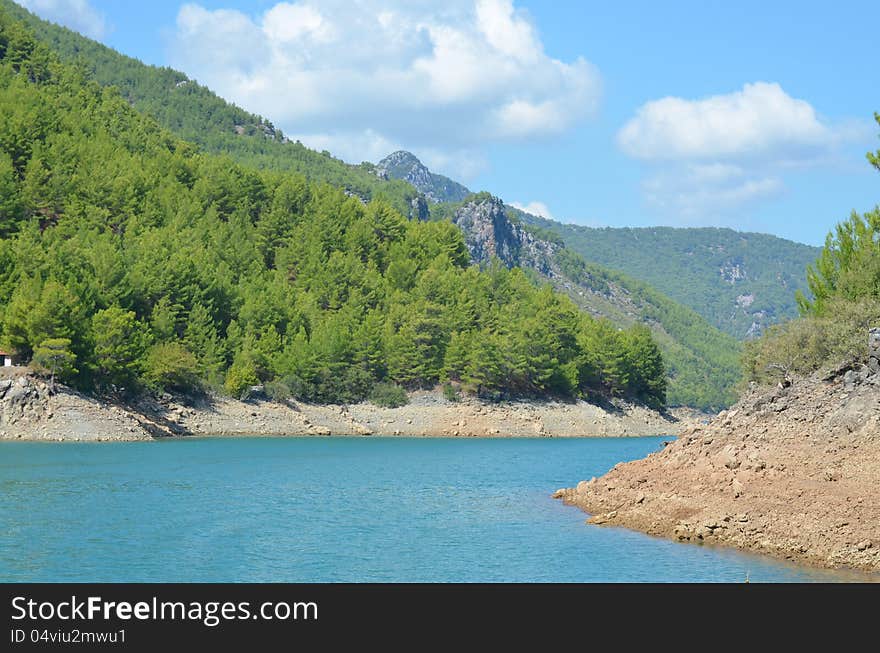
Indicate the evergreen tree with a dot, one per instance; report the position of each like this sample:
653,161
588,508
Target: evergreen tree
54,356
120,341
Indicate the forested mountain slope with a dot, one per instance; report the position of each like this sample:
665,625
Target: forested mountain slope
702,375
702,362
131,260
741,282
196,114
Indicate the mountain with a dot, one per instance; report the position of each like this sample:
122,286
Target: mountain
197,115
436,188
702,362
741,282
132,261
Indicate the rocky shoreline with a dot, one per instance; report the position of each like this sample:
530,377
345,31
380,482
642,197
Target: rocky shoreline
792,471
30,411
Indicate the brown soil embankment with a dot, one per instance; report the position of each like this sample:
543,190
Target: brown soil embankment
793,472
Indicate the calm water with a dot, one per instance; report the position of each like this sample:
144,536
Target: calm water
332,509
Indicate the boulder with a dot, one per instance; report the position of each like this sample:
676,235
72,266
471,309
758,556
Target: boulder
874,343
19,392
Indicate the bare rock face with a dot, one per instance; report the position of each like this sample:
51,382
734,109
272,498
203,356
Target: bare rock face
489,232
22,400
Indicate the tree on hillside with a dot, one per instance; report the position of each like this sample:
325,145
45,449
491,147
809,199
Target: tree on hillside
849,264
169,366
832,330
874,157
119,343
54,356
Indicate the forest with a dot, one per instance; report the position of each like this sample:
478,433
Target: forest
132,260
702,364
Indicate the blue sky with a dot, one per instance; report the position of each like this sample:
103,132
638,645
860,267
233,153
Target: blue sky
681,113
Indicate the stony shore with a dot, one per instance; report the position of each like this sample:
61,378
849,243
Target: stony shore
793,472
29,411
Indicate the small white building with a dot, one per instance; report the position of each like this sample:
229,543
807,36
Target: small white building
5,359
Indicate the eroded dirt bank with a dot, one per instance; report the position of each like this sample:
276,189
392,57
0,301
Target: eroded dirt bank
793,472
30,411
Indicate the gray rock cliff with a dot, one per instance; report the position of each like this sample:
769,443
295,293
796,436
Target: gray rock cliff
489,232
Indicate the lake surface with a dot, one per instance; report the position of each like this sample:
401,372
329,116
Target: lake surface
333,509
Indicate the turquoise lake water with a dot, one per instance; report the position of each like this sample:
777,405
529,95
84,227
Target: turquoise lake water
334,509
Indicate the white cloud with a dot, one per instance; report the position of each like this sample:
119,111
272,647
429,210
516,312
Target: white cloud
697,193
761,120
78,15
716,155
535,208
463,165
446,77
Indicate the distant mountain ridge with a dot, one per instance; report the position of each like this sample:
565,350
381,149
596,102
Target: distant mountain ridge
436,188
703,362
741,282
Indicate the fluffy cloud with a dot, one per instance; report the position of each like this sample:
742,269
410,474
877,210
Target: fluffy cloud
445,77
716,155
697,193
760,120
78,15
535,208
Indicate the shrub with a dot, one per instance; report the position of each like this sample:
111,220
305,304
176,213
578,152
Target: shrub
169,366
388,395
811,343
278,390
450,392
240,377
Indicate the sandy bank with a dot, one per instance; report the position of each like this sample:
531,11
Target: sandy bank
29,411
791,472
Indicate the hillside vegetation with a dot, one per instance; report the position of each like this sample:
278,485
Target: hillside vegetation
740,282
702,371
843,304
197,115
129,259
702,362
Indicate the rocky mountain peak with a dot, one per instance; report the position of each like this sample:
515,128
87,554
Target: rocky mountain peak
406,166
401,162
489,232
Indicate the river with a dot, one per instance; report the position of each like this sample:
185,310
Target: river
334,509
